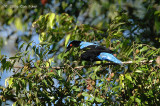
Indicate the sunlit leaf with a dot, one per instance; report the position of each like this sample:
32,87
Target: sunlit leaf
67,39
10,82
144,49
138,71
138,100
14,104
99,99
75,88
18,23
86,94
6,81
121,77
51,22
128,76
59,72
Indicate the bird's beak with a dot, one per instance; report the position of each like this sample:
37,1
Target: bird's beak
67,50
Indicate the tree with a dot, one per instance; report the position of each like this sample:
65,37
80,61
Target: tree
55,77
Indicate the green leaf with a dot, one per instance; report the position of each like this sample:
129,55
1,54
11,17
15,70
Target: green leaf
67,39
52,97
10,82
50,22
157,13
1,56
42,37
21,46
73,99
75,88
64,5
51,73
45,82
45,43
14,104
3,63
144,49
138,100
99,99
18,23
91,99
14,57
132,98
86,94
138,71
116,88
6,81
28,45
121,77
93,76
128,77
59,72
35,64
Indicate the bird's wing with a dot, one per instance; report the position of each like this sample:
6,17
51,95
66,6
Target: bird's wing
98,48
108,57
86,44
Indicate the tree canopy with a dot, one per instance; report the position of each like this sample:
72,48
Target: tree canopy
48,75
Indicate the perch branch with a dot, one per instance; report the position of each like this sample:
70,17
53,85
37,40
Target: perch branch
80,67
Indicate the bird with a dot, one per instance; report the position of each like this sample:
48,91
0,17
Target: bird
93,51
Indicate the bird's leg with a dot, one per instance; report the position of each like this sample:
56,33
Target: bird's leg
109,71
91,61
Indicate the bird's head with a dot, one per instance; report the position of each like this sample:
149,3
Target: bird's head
74,43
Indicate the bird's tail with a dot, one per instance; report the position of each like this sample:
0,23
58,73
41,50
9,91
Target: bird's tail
109,57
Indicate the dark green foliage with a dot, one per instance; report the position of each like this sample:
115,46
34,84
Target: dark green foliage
50,76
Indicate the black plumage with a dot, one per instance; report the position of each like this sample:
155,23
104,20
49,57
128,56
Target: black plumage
93,52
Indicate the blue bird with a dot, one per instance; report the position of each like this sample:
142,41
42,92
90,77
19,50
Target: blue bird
93,52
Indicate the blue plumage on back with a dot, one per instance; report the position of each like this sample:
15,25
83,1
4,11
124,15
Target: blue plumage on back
108,57
85,44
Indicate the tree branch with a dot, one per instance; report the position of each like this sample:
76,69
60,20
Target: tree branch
80,67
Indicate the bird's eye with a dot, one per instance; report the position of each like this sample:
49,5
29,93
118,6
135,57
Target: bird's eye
70,44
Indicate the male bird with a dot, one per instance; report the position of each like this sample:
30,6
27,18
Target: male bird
93,51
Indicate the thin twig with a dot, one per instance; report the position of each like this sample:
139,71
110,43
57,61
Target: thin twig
88,82
77,73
